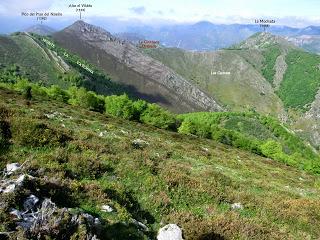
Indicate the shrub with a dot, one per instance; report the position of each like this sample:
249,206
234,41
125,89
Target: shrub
24,87
86,166
158,117
222,135
187,127
271,149
39,90
120,106
81,97
57,93
139,107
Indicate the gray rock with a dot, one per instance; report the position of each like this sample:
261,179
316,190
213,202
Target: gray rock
30,202
170,232
140,225
16,213
139,143
8,186
236,206
8,189
106,208
12,167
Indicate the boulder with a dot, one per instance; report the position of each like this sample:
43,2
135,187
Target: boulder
8,186
170,232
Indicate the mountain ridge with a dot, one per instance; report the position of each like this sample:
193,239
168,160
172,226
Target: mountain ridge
126,64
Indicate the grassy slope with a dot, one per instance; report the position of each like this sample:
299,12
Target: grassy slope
244,88
22,50
173,179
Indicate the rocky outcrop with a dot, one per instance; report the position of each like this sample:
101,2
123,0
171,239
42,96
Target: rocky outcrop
280,67
38,217
126,64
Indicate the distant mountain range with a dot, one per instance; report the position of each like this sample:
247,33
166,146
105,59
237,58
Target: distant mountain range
206,36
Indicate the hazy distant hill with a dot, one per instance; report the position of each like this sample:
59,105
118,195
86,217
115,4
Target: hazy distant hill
310,43
40,30
204,35
134,38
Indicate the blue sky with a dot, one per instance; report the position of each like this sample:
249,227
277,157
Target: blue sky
286,12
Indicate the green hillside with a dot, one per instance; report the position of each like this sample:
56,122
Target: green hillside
253,132
242,88
301,81
82,159
35,62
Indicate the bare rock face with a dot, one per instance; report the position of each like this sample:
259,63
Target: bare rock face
281,68
170,232
127,65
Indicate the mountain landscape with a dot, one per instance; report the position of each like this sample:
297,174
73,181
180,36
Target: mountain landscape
207,36
204,35
265,72
125,64
103,139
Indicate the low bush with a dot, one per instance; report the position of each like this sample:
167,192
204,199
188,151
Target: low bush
271,149
34,133
156,116
120,106
85,166
86,99
187,127
139,107
57,93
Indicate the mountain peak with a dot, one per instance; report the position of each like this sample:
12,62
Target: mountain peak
264,39
89,31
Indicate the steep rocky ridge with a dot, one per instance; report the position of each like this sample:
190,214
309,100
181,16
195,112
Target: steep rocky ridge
149,78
